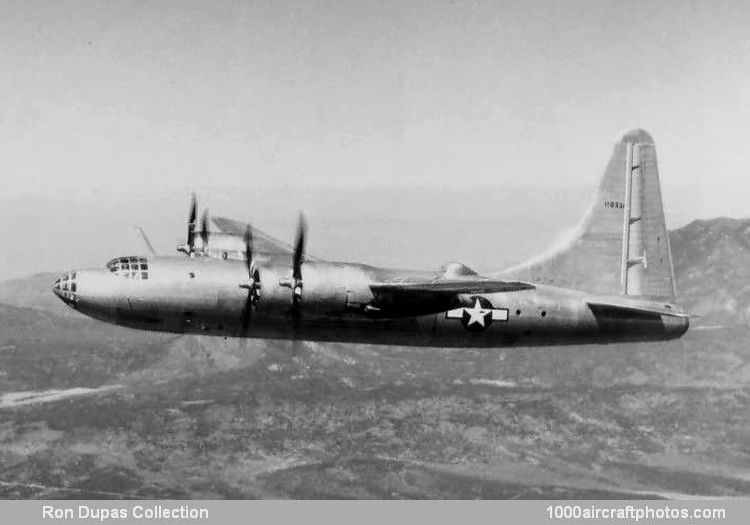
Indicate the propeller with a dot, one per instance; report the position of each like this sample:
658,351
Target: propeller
252,285
204,231
192,224
295,281
189,245
297,259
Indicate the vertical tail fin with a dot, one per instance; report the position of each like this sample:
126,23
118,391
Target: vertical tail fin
621,244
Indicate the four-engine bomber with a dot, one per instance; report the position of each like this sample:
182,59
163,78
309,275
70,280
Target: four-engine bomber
613,282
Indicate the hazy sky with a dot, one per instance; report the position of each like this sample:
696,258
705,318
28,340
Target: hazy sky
103,102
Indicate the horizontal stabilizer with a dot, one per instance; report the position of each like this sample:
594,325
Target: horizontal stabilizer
643,308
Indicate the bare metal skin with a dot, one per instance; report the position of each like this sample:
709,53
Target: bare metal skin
617,296
211,303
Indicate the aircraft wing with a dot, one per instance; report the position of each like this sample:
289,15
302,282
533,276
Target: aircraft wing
262,242
409,298
451,286
623,306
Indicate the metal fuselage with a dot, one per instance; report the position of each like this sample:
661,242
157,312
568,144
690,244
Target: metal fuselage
202,295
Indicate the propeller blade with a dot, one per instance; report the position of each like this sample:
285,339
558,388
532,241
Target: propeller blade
192,223
247,311
299,248
204,230
249,250
254,277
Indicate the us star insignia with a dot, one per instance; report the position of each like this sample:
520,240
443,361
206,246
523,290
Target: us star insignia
479,316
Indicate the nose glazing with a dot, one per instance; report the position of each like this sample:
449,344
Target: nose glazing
65,288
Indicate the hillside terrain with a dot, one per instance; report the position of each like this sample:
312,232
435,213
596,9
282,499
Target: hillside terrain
89,410
712,267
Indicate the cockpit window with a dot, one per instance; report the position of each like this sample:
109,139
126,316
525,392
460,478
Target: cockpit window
129,267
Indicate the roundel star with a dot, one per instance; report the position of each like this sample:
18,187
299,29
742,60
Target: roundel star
478,317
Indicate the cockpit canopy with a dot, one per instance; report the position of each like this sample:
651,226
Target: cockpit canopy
129,267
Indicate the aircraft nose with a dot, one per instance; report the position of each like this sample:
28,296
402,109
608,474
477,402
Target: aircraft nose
66,288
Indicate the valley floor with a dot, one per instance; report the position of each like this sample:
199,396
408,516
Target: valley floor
90,411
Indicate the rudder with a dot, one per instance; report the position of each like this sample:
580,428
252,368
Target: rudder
621,245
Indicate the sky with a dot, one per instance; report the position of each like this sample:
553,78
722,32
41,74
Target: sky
114,112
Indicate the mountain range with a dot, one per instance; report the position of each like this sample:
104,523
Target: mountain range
91,410
712,268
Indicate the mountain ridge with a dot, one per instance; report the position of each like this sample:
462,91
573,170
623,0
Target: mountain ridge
95,410
711,259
